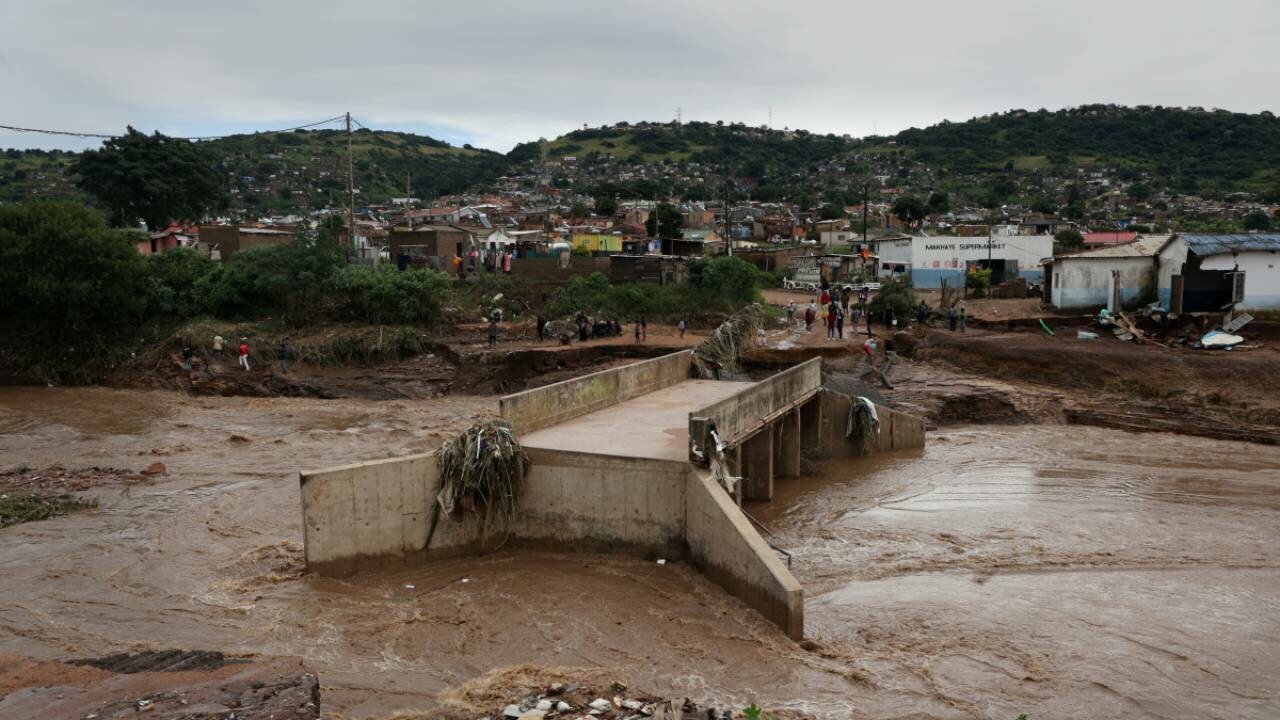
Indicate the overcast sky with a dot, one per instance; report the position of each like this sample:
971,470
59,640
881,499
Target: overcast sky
497,73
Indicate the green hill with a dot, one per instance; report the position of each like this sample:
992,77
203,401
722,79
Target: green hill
303,169
1187,149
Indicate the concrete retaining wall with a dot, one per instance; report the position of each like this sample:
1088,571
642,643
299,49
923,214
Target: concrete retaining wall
898,430
746,411
575,498
723,544
378,509
554,404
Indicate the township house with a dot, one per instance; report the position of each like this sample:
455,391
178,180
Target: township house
1186,273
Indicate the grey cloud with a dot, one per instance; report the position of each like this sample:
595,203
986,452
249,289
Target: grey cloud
512,71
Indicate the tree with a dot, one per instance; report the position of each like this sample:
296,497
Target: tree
1139,191
606,205
831,211
910,209
669,221
152,178
1042,204
578,210
651,224
939,203
1257,220
73,288
1069,239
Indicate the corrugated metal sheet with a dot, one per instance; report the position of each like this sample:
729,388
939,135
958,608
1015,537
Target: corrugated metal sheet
1218,244
1143,247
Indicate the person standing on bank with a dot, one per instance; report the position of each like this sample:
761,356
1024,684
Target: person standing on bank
951,318
282,354
217,347
964,313
244,353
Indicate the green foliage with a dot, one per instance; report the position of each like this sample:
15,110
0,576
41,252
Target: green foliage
606,205
1069,239
291,280
20,508
71,286
722,283
1191,145
385,295
1257,220
978,281
938,202
909,209
831,211
714,287
670,220
176,282
900,295
1042,204
153,178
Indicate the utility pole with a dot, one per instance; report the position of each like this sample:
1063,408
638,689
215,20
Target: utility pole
728,227
351,189
866,193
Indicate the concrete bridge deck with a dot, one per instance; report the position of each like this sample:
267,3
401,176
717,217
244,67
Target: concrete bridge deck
653,426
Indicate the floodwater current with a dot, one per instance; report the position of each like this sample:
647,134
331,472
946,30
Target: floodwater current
1063,572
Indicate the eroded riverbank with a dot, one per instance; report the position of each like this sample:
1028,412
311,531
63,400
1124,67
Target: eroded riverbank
1056,570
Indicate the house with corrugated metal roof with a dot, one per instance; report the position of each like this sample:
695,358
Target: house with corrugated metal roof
1116,276
1231,270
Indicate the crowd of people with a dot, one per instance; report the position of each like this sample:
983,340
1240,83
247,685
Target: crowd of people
835,307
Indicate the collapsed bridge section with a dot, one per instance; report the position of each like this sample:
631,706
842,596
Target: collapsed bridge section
639,459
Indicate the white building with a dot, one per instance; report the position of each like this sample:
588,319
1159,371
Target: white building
1115,276
930,260
1221,269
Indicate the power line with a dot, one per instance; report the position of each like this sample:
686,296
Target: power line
108,136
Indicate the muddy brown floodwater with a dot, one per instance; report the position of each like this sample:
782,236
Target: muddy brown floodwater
1060,571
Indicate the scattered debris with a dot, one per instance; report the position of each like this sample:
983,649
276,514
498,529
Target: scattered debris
16,509
721,352
481,472
155,469
1216,339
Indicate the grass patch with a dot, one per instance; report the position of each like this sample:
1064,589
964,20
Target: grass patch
16,509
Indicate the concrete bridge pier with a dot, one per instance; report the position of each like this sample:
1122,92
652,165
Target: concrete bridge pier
786,445
757,466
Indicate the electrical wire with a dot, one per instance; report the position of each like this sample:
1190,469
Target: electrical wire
106,136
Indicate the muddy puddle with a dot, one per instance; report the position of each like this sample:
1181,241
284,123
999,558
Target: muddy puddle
1062,572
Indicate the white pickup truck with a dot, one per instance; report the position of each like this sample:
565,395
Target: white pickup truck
814,285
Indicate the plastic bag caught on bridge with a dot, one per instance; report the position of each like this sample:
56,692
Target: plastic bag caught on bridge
863,426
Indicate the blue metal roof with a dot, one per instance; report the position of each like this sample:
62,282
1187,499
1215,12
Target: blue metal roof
1218,244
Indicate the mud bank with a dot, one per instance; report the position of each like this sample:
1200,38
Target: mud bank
442,368
980,377
174,685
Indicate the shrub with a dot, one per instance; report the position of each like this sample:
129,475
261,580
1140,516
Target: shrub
73,289
978,281
175,283
385,295
723,283
899,295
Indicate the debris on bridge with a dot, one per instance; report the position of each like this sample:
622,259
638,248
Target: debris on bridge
718,356
481,472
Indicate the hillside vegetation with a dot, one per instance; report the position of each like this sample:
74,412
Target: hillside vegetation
1183,150
291,171
1184,147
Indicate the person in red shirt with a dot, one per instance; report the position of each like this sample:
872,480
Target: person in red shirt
244,354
